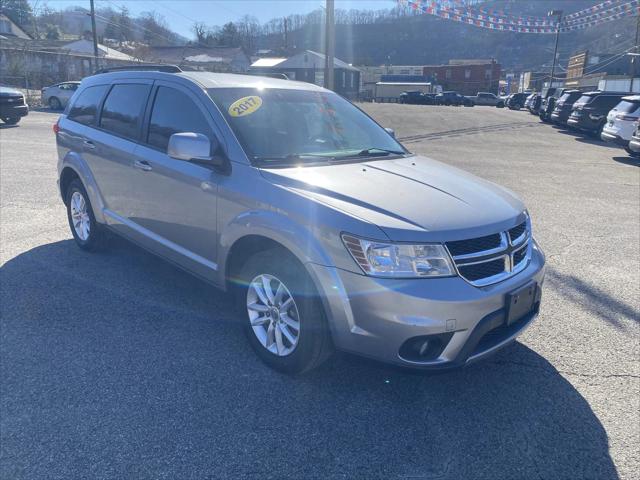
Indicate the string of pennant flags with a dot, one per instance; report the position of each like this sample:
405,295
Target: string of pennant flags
462,11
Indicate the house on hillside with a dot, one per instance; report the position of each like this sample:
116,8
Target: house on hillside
308,66
8,28
38,63
211,59
85,47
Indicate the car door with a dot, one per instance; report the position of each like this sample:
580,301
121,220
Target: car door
173,202
109,144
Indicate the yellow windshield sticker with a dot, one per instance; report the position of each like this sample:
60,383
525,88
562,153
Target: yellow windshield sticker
245,106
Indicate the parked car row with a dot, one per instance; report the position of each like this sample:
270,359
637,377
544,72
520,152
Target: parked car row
452,98
609,116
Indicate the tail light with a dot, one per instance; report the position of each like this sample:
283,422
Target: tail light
628,118
56,127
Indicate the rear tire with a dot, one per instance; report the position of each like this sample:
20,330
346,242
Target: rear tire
11,120
267,317
88,234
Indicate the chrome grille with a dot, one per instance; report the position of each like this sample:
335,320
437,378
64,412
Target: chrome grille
492,258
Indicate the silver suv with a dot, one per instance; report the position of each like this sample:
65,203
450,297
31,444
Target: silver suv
324,228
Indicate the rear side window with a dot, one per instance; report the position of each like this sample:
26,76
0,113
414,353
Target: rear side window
122,109
626,106
174,112
85,108
605,102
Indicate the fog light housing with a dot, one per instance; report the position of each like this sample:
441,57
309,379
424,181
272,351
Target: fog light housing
424,348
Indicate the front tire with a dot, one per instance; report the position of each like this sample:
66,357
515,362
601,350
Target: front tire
11,120
55,104
88,234
284,319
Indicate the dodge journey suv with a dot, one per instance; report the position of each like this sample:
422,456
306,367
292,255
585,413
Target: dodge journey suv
324,228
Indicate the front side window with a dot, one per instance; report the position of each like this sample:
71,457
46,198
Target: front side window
174,112
123,109
299,126
85,108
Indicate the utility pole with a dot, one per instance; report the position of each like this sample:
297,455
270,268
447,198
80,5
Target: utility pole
558,15
286,42
95,35
330,45
635,60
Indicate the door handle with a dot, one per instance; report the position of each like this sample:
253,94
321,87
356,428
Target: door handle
89,145
142,165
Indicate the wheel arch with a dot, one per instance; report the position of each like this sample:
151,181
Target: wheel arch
255,231
73,166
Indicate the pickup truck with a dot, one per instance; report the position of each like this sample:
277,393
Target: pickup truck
486,98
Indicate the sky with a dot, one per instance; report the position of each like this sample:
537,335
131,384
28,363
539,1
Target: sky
182,14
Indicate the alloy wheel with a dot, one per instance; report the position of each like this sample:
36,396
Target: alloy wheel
80,216
273,315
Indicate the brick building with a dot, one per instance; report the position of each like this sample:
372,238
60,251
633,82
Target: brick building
467,77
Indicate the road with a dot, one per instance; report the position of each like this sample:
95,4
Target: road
118,365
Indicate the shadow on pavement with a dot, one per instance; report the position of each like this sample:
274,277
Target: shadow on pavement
628,161
591,298
119,365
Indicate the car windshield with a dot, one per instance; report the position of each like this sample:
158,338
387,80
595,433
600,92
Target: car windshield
293,127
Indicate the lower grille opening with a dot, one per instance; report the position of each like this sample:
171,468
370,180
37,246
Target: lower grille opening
424,347
501,333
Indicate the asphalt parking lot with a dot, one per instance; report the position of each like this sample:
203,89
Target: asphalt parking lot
118,365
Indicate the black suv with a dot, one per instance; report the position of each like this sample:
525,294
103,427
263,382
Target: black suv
453,98
416,97
12,105
563,107
516,100
590,111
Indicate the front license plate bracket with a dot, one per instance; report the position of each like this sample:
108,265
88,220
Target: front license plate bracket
520,302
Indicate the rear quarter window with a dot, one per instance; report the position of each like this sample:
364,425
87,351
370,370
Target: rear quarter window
85,109
605,102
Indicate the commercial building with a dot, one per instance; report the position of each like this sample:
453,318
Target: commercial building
603,71
467,77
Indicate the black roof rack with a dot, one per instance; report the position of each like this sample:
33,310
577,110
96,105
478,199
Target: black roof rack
137,68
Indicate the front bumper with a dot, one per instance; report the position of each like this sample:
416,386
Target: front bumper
13,111
375,317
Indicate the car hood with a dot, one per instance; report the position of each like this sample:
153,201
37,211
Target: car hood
9,92
411,199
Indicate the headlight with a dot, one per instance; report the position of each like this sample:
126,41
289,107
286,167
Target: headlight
399,260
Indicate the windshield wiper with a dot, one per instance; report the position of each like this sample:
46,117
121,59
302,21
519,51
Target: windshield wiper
292,157
371,152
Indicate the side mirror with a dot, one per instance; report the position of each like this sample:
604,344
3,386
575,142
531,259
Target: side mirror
194,147
391,132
